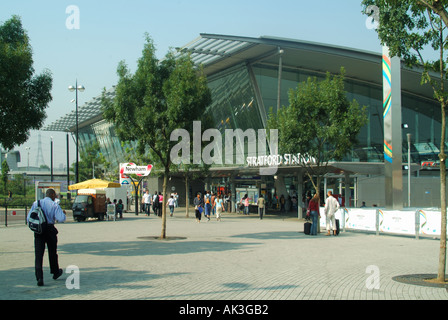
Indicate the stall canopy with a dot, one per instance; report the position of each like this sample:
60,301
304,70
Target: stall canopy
94,184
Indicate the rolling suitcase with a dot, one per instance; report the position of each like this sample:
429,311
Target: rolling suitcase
307,227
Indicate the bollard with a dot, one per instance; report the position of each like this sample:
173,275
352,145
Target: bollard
417,225
377,222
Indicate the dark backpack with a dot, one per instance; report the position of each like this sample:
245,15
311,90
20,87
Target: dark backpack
37,221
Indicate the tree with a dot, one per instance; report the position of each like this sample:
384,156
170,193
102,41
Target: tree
189,173
320,124
91,163
23,96
160,97
4,176
415,30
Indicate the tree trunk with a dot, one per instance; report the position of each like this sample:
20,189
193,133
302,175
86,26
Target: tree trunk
438,8
442,156
442,254
187,198
165,183
318,192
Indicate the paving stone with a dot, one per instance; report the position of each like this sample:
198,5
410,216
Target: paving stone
238,258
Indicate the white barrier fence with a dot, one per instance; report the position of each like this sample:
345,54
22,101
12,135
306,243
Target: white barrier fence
413,221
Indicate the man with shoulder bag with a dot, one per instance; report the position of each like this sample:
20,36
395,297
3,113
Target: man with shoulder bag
53,213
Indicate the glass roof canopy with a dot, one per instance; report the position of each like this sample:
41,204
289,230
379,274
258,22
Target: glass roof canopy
206,49
88,113
220,52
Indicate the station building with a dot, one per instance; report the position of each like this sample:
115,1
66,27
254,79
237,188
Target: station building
249,76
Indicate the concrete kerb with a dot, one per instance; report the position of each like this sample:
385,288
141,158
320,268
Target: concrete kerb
240,257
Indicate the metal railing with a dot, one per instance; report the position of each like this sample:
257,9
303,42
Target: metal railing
15,213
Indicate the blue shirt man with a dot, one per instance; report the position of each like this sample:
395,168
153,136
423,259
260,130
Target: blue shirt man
54,213
52,210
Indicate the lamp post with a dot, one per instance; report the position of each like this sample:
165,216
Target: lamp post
77,88
409,169
68,165
51,157
28,160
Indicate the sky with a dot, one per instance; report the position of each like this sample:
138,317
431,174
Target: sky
112,31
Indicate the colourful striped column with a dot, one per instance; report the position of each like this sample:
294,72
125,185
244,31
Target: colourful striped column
392,131
387,103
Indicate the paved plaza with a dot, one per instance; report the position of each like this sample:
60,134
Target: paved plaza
238,258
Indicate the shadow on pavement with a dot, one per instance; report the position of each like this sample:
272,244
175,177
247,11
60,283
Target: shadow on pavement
155,247
20,283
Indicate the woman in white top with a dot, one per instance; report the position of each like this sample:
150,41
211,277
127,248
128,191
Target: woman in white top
219,207
170,204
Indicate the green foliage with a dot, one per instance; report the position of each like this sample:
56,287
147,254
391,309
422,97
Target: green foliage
16,185
159,98
4,176
89,158
23,96
320,122
414,30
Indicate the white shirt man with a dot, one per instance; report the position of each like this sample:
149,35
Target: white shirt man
331,207
147,202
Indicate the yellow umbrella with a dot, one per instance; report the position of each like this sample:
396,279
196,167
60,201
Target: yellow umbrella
94,184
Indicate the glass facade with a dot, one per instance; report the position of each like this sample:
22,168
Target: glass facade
244,93
422,116
235,106
111,147
243,76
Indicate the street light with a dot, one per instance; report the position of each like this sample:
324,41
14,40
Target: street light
409,169
77,88
51,156
28,160
68,164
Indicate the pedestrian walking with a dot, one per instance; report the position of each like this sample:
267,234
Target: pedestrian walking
261,206
155,203
170,203
313,213
147,202
282,203
227,202
176,200
120,208
246,204
219,206
198,206
53,214
207,208
213,203
160,204
331,207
